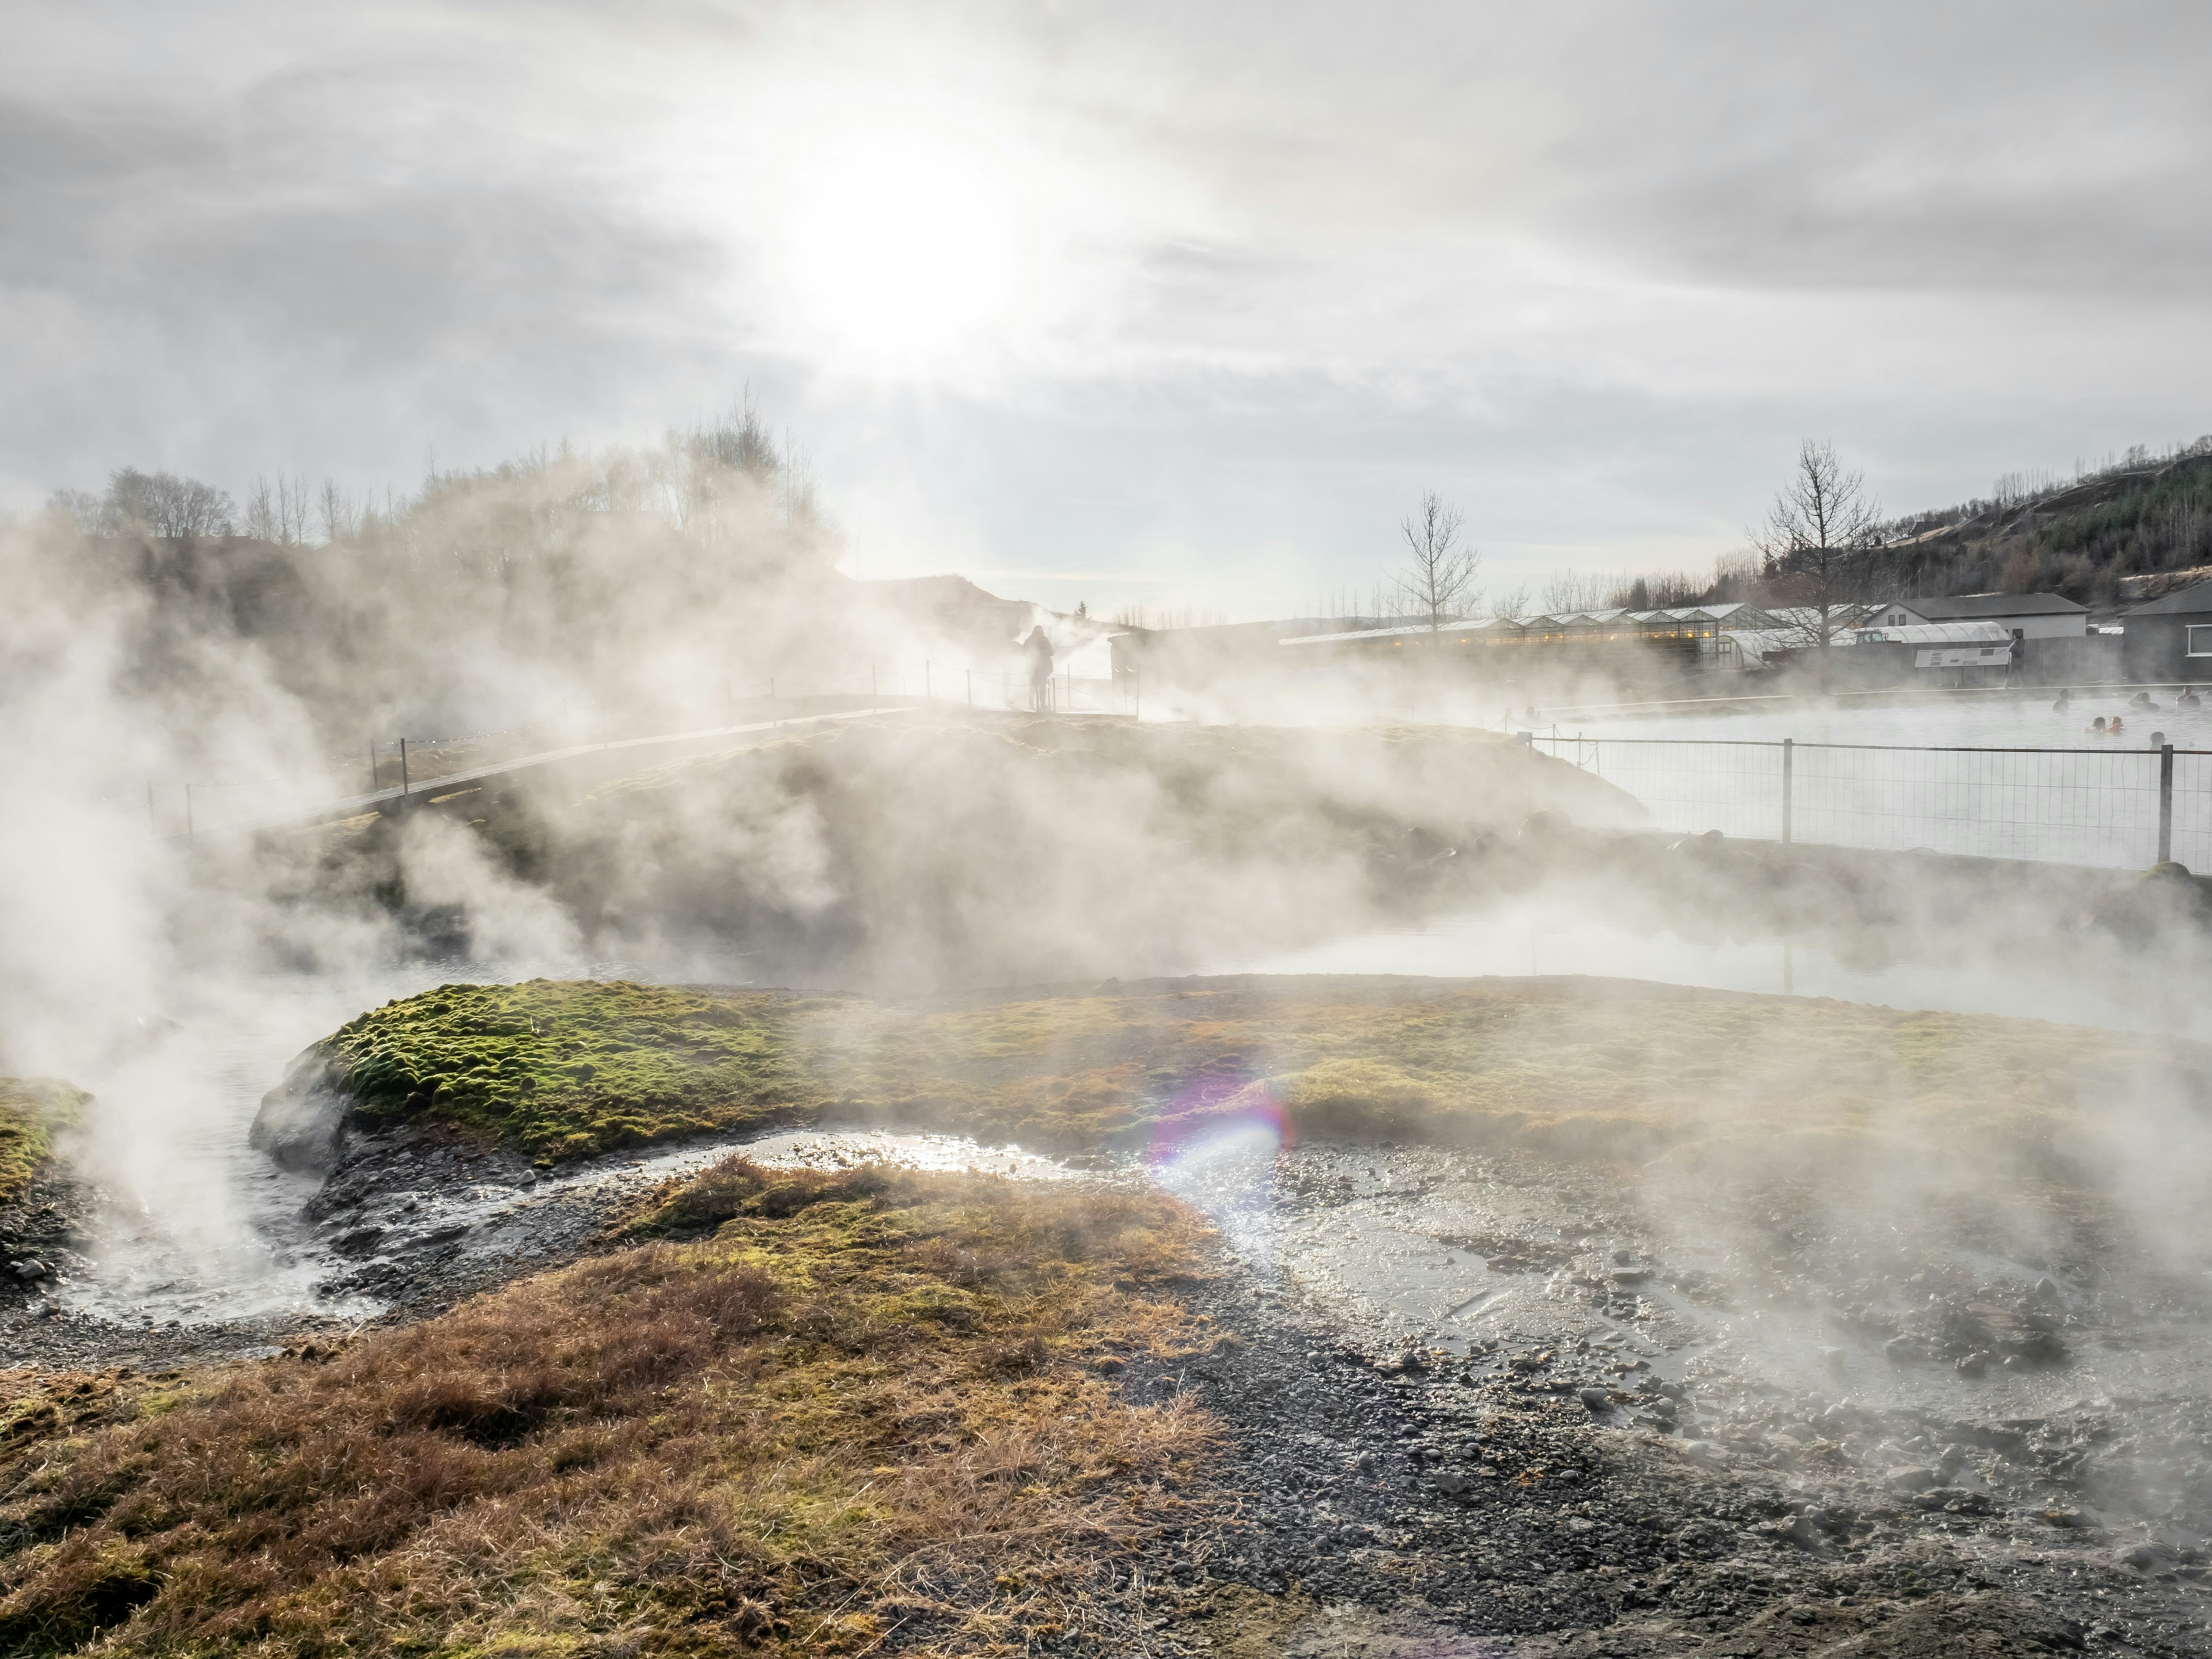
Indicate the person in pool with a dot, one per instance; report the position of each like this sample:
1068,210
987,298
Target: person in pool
2095,728
2064,703
2188,699
2113,730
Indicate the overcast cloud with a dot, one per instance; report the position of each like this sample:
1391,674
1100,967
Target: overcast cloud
1187,303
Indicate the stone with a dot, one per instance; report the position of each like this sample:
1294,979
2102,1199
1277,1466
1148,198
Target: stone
31,1270
301,1121
1911,1478
1598,1400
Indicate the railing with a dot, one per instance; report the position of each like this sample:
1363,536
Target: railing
184,809
2113,807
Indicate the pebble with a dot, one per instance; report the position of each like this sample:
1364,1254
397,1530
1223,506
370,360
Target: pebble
1596,1399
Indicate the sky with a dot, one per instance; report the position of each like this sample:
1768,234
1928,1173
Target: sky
1130,303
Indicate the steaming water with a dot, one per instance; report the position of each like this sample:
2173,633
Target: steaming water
1969,718
2097,804
197,1228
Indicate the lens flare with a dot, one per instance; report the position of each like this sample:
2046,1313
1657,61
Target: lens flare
1215,1148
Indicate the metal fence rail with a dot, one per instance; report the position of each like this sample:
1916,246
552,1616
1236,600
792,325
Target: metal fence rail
2113,807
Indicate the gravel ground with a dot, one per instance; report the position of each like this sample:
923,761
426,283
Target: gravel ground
1475,1409
1483,1405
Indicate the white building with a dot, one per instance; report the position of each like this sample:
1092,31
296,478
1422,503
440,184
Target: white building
2022,616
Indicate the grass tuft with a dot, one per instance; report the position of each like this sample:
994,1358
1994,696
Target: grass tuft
853,1415
32,1110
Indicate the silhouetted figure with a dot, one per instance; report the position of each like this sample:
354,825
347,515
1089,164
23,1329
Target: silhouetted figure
2095,728
2188,699
2064,703
1040,655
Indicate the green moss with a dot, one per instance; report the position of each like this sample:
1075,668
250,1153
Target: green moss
1622,1073
564,1070
30,1110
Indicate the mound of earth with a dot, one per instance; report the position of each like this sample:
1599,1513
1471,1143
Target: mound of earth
922,849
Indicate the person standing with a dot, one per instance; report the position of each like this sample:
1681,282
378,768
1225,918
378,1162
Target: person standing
1039,649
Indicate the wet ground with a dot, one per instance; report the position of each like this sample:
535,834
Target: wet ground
1489,1405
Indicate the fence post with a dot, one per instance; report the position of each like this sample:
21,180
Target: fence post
1789,754
373,778
403,768
2166,803
192,832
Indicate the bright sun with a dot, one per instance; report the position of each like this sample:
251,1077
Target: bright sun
902,246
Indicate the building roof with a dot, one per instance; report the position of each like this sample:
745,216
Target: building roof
1974,606
2183,601
1981,632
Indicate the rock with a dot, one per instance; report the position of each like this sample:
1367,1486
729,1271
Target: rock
301,1122
1598,1400
361,1242
1452,1483
32,1270
1630,1275
1972,1364
1797,1529
1365,1462
1899,1350
1910,1480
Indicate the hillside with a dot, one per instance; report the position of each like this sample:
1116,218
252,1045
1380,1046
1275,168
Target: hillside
2125,533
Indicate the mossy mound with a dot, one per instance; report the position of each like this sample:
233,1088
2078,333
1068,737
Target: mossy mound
562,1070
31,1110
1610,1070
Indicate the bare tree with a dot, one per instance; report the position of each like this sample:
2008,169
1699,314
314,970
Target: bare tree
261,523
1567,593
163,504
292,511
1438,581
338,512
1512,603
1814,545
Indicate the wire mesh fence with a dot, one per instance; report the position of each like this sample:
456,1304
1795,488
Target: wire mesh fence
2111,807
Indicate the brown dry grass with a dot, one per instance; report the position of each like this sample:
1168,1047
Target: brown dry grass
860,1413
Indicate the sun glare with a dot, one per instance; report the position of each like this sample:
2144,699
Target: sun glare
902,246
